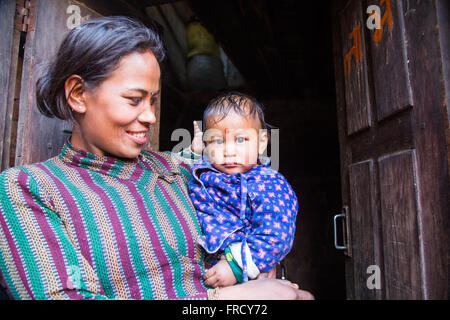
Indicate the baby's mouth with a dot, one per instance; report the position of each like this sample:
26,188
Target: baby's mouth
230,165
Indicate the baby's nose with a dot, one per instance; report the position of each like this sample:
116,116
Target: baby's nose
229,149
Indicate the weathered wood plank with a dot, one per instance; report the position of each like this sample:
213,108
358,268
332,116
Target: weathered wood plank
430,122
364,227
358,104
395,133
402,225
8,63
345,154
443,11
392,87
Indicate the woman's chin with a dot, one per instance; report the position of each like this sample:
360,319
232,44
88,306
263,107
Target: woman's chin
132,155
128,152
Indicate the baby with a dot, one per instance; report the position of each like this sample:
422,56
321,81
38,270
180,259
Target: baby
247,211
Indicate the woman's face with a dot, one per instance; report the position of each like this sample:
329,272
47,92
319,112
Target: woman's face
118,113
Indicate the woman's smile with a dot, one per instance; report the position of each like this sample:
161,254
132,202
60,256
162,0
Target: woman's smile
140,137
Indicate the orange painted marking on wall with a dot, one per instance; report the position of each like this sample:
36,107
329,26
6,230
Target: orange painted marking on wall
355,51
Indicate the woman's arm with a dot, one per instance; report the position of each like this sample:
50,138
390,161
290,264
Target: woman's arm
264,289
38,260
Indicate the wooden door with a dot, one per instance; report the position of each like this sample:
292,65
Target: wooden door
394,154
8,61
36,137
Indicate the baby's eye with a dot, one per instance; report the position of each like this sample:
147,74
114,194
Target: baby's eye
217,141
240,140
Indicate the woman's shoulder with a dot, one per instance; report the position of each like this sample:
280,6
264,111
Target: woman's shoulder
22,174
15,172
164,160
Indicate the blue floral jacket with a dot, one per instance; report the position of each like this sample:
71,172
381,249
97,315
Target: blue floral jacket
257,208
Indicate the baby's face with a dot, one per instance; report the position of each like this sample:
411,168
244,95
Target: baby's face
234,143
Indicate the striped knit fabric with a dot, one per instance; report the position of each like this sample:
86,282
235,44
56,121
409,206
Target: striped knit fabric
80,226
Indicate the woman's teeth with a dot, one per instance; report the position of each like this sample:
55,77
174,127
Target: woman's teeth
137,135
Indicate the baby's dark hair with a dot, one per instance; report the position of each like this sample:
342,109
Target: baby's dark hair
241,103
92,51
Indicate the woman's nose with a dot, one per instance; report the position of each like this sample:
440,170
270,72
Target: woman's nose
148,115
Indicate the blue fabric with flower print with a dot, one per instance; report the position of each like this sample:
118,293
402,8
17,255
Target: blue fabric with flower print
257,208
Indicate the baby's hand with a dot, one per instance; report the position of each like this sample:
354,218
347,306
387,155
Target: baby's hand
197,145
220,275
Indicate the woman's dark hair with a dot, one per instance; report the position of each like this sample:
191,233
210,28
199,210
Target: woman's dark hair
241,103
92,51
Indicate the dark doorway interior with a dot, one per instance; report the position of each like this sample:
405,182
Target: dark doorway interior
283,50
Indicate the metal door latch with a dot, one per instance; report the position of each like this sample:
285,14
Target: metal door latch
345,235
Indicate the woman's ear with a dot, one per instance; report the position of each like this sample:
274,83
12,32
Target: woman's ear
74,88
263,141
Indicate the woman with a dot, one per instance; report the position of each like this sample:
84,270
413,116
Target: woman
104,219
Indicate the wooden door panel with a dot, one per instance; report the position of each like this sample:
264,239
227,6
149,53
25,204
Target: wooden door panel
7,49
363,225
401,219
392,87
355,68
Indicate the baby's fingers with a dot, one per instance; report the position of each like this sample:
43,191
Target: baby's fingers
196,128
212,281
209,273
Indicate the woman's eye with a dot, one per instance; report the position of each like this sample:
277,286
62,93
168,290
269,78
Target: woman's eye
240,140
153,100
217,141
135,100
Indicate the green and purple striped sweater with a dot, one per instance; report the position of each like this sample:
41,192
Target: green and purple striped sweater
81,226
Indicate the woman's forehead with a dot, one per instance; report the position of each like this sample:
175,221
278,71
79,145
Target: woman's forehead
137,67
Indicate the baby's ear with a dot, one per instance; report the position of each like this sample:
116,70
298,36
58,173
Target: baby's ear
263,141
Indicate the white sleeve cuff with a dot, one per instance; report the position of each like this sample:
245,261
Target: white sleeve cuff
252,269
188,150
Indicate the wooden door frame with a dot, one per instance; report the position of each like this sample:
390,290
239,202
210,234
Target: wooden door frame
8,69
341,118
443,13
